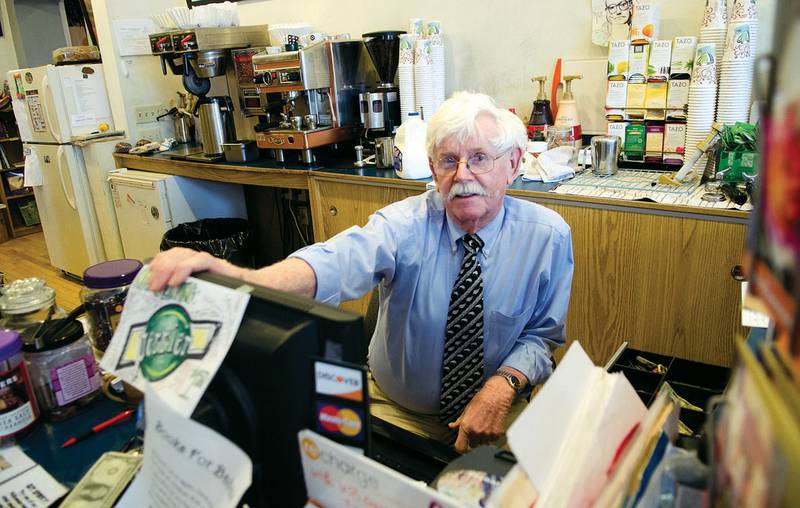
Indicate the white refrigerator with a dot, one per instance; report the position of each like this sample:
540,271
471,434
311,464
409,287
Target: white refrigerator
53,106
150,204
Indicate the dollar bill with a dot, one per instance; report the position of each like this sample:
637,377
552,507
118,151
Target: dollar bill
102,485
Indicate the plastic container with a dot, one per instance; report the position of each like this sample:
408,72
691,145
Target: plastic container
25,304
18,409
104,298
410,156
75,54
63,372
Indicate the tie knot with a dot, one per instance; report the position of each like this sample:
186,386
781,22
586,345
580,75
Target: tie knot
472,243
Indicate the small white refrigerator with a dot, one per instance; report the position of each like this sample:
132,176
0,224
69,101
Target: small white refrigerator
150,204
53,105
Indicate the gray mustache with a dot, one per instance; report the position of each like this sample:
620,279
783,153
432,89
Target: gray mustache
462,188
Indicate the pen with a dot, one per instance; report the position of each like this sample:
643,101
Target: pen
97,428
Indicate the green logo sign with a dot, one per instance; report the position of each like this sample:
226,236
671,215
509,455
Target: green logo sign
167,339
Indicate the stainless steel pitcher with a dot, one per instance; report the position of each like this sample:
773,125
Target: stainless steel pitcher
605,152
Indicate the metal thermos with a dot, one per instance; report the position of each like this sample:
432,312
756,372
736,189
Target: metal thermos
605,152
384,152
216,123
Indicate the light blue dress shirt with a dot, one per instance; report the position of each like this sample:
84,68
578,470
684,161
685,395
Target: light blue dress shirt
413,252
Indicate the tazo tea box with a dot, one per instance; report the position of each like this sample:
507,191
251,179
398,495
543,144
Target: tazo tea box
636,95
618,59
617,94
645,21
660,55
656,95
638,58
618,129
654,143
682,57
675,138
678,95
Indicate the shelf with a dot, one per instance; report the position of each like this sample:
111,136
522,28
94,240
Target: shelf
19,196
25,230
5,140
19,165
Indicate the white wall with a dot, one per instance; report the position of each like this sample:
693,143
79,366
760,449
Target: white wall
8,55
494,46
133,80
40,25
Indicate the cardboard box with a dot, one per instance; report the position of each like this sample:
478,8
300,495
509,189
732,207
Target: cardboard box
678,94
617,94
618,59
682,60
635,141
645,21
654,139
656,95
638,58
636,96
660,59
617,129
674,138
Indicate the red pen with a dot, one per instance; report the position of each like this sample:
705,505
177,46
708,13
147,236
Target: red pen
100,426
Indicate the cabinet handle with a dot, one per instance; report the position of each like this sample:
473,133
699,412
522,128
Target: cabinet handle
737,273
333,210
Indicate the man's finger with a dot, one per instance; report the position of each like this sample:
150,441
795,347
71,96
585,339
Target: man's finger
462,442
456,423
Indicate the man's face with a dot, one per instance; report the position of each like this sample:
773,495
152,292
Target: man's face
618,12
474,200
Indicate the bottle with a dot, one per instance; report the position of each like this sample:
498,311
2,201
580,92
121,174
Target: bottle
410,156
568,115
541,114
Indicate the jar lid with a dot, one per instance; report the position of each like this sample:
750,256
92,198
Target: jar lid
55,334
111,274
26,295
10,344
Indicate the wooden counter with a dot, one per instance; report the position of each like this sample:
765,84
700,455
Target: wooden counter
656,275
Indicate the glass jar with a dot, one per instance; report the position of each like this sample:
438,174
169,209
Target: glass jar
18,409
26,304
104,297
560,136
62,368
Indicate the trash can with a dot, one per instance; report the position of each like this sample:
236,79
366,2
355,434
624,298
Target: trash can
228,239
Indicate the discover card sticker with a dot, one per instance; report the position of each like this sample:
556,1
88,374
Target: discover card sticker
338,381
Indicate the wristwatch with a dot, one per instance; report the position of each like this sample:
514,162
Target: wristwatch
512,379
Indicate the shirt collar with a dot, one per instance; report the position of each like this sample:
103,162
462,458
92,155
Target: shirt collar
488,233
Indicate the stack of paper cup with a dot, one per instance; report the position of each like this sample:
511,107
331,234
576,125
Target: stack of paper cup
715,27
416,28
405,75
702,98
745,11
437,57
424,95
736,79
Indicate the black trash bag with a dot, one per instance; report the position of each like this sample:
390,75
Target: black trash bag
228,239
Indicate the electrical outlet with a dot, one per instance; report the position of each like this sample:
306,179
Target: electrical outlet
146,113
152,133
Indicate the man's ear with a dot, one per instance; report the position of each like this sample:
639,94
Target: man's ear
516,162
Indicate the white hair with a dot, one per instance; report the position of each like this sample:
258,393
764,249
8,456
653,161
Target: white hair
456,119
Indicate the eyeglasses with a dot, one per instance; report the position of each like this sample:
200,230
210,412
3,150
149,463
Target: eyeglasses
478,164
620,7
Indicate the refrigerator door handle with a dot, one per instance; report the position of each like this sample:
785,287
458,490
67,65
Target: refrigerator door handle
70,197
49,104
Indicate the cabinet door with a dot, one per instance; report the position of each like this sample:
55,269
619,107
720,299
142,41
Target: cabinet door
338,205
662,283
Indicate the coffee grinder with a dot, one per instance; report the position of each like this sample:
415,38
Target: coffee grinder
380,106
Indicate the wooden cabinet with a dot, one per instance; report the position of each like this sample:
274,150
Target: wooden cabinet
20,213
660,280
337,205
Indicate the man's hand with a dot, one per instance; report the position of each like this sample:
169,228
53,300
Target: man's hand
483,420
172,267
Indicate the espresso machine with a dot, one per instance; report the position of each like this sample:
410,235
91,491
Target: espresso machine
380,106
310,96
200,54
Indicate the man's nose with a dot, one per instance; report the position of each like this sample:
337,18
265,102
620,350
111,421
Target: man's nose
462,171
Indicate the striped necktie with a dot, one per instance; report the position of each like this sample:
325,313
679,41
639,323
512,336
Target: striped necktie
462,361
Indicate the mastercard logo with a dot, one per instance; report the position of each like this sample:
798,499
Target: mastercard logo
310,448
345,421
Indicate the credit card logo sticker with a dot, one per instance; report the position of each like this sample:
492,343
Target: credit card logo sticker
338,381
334,419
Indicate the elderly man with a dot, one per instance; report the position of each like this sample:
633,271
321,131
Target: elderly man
474,286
